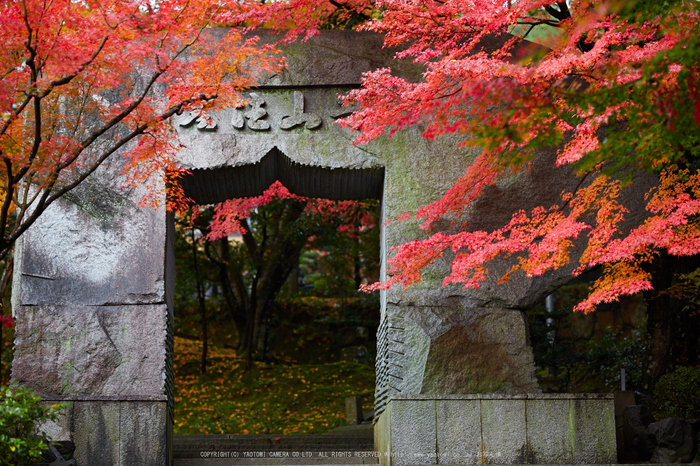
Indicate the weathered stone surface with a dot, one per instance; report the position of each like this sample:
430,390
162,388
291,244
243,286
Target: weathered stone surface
97,433
498,429
413,433
353,410
402,349
91,350
594,431
325,145
119,433
550,437
96,246
382,437
335,57
458,431
503,431
488,353
142,428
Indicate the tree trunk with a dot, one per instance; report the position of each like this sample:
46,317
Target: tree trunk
202,305
4,281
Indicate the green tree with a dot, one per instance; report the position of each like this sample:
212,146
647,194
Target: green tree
245,275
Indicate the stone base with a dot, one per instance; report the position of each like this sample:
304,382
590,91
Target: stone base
114,433
497,429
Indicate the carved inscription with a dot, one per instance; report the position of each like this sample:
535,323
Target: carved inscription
299,117
204,122
254,115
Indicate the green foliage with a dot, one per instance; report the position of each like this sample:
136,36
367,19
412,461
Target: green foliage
676,394
19,414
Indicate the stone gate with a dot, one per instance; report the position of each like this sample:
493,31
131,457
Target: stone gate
94,278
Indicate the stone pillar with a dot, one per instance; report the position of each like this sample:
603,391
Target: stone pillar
93,304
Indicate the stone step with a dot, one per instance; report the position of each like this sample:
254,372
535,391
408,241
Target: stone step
242,451
270,438
259,450
266,462
214,458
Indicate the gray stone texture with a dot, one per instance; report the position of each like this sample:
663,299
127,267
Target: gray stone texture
97,432
94,247
458,431
594,431
413,433
547,437
91,350
353,410
143,430
489,353
503,431
114,433
498,429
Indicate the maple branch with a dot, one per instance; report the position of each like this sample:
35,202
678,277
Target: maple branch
66,79
14,114
546,22
7,203
343,6
37,110
249,240
561,14
49,195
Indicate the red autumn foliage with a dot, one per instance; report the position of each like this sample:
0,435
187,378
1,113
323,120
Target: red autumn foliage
82,81
607,65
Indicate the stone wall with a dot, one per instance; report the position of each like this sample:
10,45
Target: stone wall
497,429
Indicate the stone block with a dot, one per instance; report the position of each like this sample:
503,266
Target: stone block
594,430
549,434
413,432
488,353
503,431
497,429
91,350
458,431
97,433
96,246
143,433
